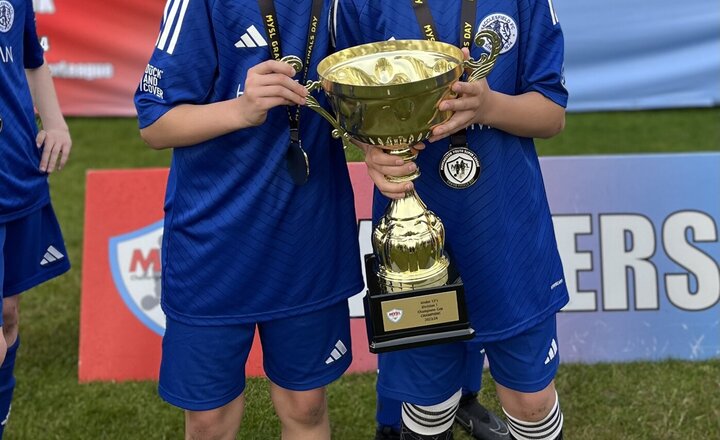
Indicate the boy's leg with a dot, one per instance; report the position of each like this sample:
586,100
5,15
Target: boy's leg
304,414
532,416
38,255
203,372
7,368
524,367
4,412
301,355
218,424
388,418
429,387
477,420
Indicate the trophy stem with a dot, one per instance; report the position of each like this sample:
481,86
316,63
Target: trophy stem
407,154
409,241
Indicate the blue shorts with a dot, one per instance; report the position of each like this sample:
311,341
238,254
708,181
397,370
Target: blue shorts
203,367
32,251
527,362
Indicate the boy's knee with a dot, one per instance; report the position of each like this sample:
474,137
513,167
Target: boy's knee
536,415
219,423
204,425
529,406
10,319
308,410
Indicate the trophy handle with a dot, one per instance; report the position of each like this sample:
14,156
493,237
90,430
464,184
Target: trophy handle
338,131
482,66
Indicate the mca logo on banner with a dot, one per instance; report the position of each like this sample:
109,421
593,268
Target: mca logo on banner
136,270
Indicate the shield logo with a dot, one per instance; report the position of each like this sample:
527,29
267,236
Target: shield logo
136,268
460,169
395,315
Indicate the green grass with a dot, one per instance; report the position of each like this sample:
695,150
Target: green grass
666,400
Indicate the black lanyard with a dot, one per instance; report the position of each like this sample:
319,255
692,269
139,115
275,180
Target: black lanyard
427,24
468,14
272,27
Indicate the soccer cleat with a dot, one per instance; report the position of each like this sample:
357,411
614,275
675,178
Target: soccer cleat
386,433
480,423
407,434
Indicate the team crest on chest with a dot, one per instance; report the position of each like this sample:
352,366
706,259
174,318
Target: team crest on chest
459,168
7,15
504,26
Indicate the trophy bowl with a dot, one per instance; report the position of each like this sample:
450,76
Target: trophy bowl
387,93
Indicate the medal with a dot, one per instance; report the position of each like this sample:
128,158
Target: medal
297,160
460,167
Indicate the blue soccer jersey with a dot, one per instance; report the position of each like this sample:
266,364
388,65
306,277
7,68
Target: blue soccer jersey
499,231
243,243
23,187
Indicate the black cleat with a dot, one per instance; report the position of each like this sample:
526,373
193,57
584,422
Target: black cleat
480,423
386,433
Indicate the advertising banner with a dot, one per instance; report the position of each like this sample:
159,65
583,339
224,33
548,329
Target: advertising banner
619,54
97,51
121,322
638,236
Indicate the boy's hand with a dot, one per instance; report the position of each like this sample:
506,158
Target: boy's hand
469,106
269,84
56,145
381,164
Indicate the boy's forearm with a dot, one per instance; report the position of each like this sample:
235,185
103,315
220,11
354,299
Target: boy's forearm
44,98
189,124
529,115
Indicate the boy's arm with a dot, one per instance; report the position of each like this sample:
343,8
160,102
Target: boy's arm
530,114
539,110
54,137
269,84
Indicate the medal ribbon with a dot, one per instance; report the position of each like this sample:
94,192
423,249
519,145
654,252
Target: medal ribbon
468,14
272,28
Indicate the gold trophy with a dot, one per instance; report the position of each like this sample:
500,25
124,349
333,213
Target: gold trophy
386,94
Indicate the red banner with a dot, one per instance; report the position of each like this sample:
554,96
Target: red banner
121,323
97,51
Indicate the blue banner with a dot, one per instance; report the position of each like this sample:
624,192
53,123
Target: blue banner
638,236
641,54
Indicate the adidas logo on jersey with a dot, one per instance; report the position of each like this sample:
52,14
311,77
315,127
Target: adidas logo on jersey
338,352
552,351
51,255
251,38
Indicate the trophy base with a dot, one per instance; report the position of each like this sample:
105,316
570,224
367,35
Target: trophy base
413,318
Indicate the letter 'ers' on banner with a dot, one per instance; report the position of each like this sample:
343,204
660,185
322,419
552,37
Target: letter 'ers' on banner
638,236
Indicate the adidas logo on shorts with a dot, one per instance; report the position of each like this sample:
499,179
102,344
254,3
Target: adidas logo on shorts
337,352
51,255
552,351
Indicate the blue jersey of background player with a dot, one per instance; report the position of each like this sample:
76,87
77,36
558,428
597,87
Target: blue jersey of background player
243,243
32,250
499,229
